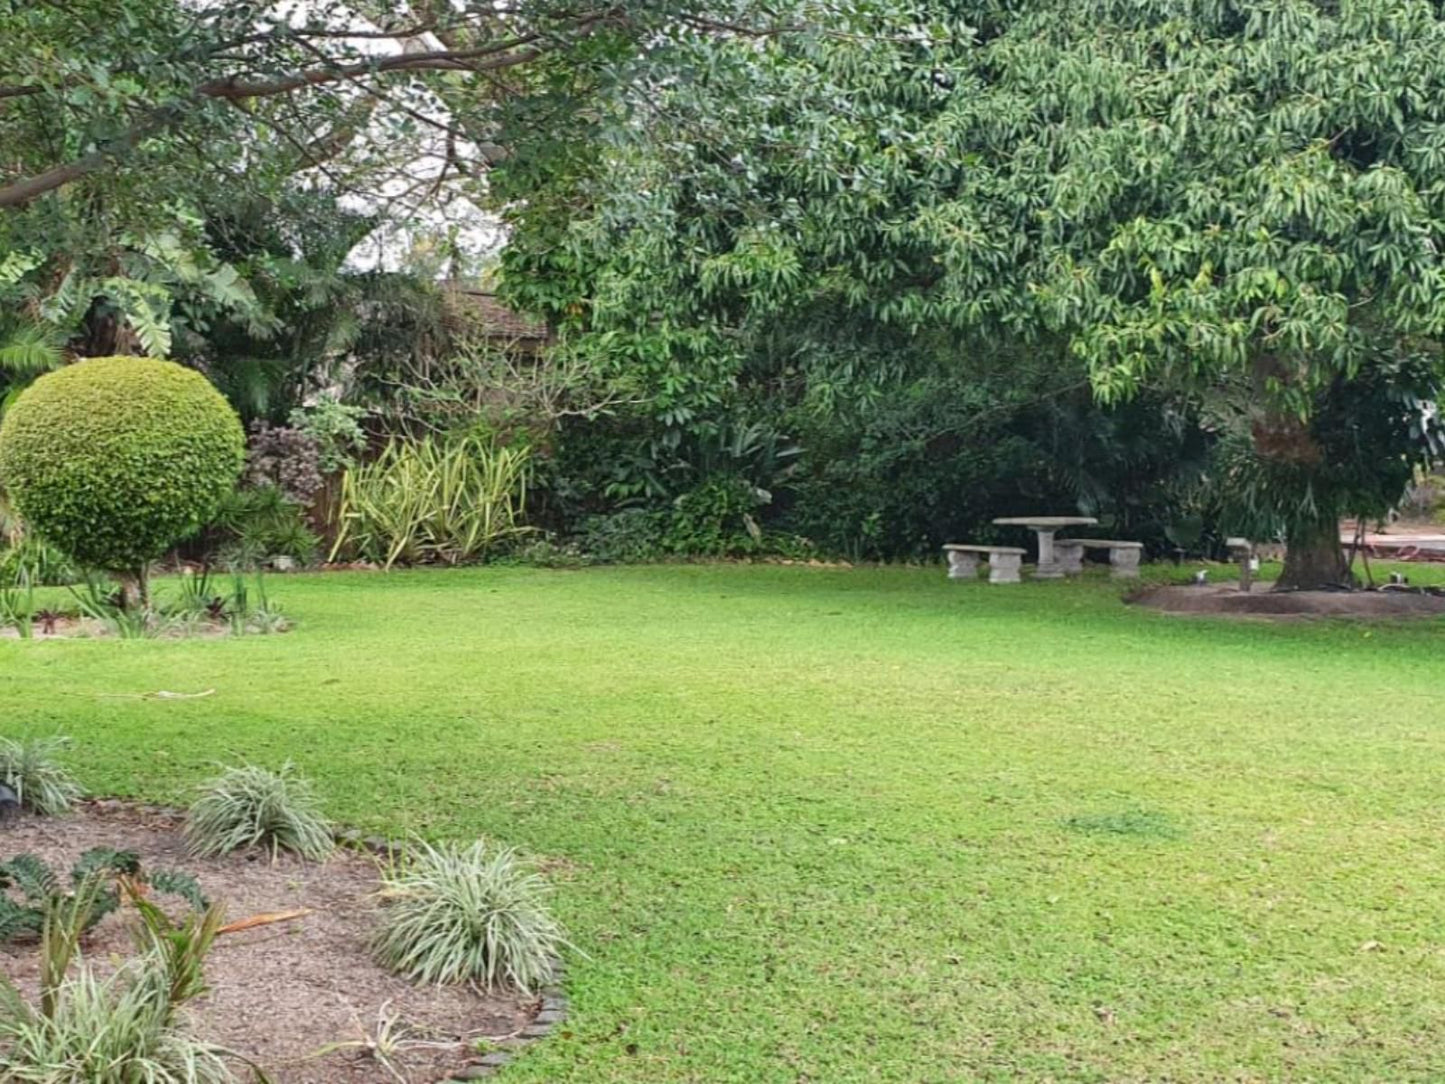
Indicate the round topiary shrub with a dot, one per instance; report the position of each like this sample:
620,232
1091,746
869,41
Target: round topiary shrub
114,460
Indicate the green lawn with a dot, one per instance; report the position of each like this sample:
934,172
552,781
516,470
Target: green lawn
815,825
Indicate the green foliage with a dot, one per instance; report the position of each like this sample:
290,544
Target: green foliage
99,879
32,768
625,537
468,913
717,519
34,561
1228,202
27,348
249,807
935,459
433,500
116,459
1355,457
336,429
333,329
252,526
123,1029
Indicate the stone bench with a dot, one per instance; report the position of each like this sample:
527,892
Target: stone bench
1123,556
1004,562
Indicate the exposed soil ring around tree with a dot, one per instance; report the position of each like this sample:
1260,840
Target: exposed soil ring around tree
1229,601
281,992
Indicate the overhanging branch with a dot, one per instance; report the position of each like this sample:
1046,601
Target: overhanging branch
493,56
22,191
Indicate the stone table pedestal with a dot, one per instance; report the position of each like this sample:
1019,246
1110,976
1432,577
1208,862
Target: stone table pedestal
1045,527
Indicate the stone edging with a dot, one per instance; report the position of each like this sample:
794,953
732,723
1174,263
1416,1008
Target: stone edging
554,1000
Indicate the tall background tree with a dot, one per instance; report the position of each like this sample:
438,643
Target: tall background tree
128,129
1237,205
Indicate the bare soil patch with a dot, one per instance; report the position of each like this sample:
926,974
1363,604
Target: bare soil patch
279,993
63,628
88,628
1229,600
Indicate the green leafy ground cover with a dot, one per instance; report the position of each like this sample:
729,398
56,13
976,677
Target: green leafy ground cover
825,825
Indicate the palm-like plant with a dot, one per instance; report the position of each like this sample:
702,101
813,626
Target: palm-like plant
27,349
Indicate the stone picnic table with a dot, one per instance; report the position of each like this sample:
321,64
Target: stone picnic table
1046,527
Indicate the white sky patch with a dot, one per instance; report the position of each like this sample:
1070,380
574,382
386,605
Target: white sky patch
428,217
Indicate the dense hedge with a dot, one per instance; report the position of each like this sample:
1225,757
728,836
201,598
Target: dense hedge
114,460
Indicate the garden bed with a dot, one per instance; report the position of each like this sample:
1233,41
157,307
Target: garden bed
1229,600
89,628
284,991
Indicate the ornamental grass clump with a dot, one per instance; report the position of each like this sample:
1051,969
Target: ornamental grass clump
30,767
104,1031
123,1029
250,806
467,914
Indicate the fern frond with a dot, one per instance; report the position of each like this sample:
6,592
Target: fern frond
32,877
27,350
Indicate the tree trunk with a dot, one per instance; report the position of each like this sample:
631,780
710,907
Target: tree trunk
135,590
1314,558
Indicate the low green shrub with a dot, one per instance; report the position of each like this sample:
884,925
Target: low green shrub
31,768
336,430
717,519
547,552
467,914
249,806
631,536
252,527
114,460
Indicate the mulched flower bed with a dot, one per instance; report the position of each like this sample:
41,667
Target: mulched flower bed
282,992
1229,600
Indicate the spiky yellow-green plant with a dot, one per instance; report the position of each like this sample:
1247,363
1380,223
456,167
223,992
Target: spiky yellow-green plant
467,914
250,806
31,768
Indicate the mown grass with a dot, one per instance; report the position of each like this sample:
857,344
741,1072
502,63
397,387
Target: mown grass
824,825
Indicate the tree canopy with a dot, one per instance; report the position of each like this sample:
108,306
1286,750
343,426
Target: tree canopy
1239,201
750,223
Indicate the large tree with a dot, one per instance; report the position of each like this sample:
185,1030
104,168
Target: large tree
1241,201
128,129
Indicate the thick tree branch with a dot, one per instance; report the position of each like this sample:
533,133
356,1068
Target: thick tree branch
490,57
235,89
25,190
